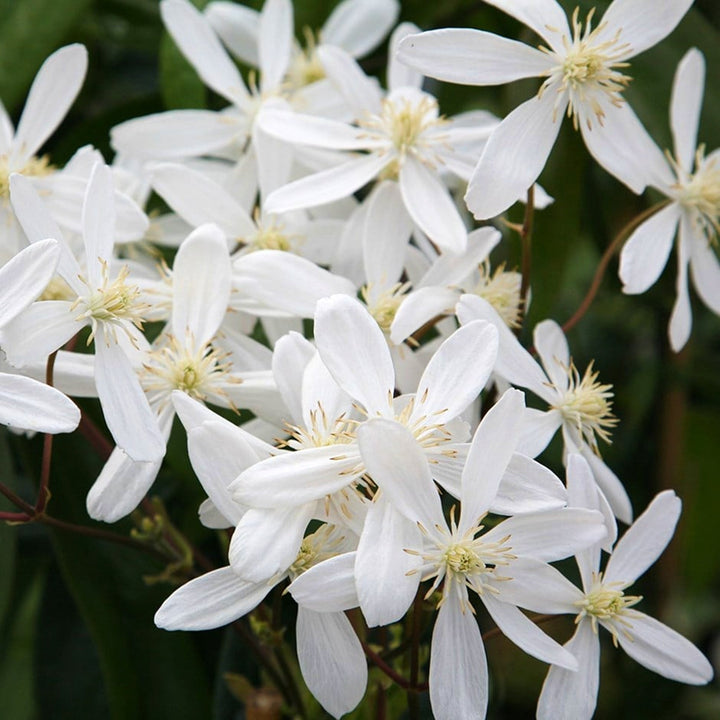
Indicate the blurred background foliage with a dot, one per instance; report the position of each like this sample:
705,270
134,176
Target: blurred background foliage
76,612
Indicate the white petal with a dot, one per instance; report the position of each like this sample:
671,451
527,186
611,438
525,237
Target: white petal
286,282
52,93
275,42
399,74
328,587
490,452
526,634
681,316
326,186
238,27
358,26
664,651
458,667
685,105
176,134
266,542
25,276
199,199
552,347
129,418
7,131
201,285
297,478
197,41
457,372
514,156
353,347
642,23
98,220
538,430
420,307
331,660
429,203
31,405
396,463
550,535
210,601
472,57
570,695
610,485
527,486
320,393
645,539
120,487
385,582
705,270
289,361
385,236
545,17
360,92
623,147
645,253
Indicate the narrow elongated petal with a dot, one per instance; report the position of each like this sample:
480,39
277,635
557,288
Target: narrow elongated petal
31,405
514,156
25,276
286,282
98,221
360,92
685,105
331,660
358,26
545,17
129,418
326,186
552,347
322,396
472,57
238,27
385,582
275,42
199,199
458,667
705,271
623,147
420,307
289,361
396,463
681,316
266,542
353,347
644,541
52,93
201,285
176,134
198,43
431,207
610,485
646,251
538,430
550,535
328,587
526,634
469,355
527,486
664,651
297,478
570,695
490,452
398,73
641,23
210,601
6,130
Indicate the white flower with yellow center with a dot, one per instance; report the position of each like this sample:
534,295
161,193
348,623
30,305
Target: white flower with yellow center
586,71
579,404
692,184
604,602
108,303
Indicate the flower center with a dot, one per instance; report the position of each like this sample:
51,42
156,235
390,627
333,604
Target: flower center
589,71
305,67
384,306
701,192
34,167
587,404
608,604
115,303
321,431
195,371
269,236
502,290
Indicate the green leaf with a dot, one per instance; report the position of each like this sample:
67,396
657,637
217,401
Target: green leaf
31,30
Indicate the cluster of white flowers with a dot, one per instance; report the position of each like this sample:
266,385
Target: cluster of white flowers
370,468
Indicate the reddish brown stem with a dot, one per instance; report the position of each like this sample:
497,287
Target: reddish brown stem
44,489
396,677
